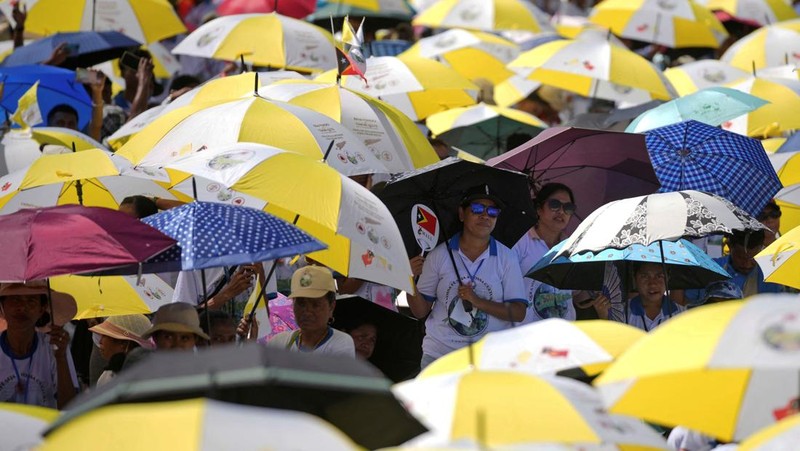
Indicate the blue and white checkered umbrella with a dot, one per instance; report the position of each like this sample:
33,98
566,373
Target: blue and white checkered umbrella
695,156
212,235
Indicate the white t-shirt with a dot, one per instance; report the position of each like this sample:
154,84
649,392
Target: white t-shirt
335,343
495,275
637,317
37,372
689,440
545,301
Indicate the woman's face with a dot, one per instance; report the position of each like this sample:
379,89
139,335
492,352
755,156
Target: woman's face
313,313
364,337
111,346
556,211
479,217
22,312
650,282
771,218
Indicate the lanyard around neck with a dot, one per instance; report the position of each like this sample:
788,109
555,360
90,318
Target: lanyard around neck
22,389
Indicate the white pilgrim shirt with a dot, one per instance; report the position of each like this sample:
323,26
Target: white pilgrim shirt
335,343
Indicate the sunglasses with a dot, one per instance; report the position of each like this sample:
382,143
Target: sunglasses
555,205
769,215
478,209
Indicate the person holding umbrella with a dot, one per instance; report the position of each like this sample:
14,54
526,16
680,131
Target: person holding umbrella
470,284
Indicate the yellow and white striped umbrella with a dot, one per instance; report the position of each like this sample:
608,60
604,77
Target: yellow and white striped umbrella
507,410
674,23
783,435
114,295
510,91
757,12
482,129
254,119
692,77
416,86
362,236
725,369
770,46
143,20
391,136
543,347
473,54
485,15
269,40
217,89
20,148
780,261
775,118
22,425
595,69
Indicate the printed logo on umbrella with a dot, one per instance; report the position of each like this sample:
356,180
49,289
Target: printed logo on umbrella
791,408
426,227
783,335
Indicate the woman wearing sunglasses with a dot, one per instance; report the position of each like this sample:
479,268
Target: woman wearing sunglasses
555,205
770,216
471,284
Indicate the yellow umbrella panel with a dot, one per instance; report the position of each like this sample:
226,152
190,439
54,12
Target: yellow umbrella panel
773,119
362,237
773,45
485,15
724,370
675,24
114,295
780,261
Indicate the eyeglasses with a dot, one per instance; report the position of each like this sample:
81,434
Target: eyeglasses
769,215
478,209
555,205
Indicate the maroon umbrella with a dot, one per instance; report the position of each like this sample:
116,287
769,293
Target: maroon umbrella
599,166
72,239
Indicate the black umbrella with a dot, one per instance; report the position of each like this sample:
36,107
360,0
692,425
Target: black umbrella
398,349
84,49
348,393
427,200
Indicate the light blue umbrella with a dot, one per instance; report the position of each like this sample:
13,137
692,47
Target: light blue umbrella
712,106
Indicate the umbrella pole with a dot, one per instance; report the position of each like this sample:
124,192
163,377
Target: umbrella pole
78,186
664,266
325,158
255,87
50,303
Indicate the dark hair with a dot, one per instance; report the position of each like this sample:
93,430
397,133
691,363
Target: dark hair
748,239
771,205
142,205
548,189
350,324
140,52
515,140
183,81
61,108
211,317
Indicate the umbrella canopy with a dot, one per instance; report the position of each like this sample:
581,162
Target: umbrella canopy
675,24
753,12
483,130
362,237
391,136
45,242
212,234
91,177
64,138
418,87
269,40
687,265
781,435
193,128
595,69
206,424
473,54
20,428
780,261
692,77
384,9
610,165
711,106
398,348
86,48
770,46
426,202
775,118
693,155
143,20
56,86
725,370
347,393
114,295
485,15
297,9
544,347
494,410
663,216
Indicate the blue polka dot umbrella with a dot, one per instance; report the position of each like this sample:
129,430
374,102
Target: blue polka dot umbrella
212,235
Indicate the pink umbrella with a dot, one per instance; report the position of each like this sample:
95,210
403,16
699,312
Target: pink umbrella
599,166
71,239
298,9
281,317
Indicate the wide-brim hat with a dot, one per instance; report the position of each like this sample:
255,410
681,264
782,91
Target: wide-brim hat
125,327
64,306
176,317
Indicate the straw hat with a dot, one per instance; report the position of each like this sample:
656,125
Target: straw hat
176,317
125,327
64,306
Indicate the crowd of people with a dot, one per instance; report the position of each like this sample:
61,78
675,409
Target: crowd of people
466,287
